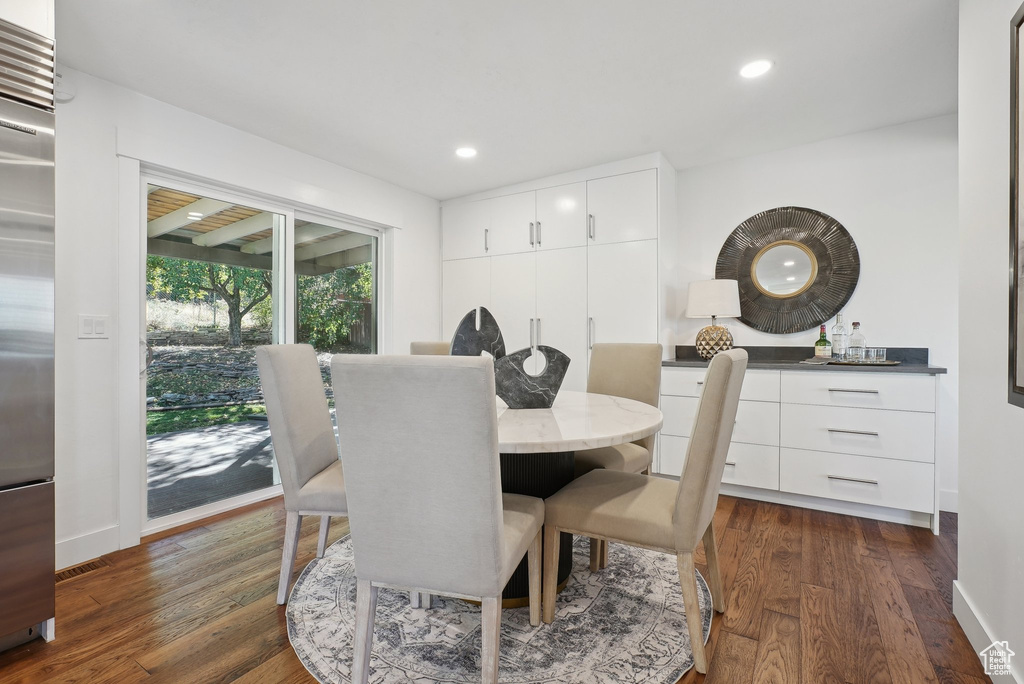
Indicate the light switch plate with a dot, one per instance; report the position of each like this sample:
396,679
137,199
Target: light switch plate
93,327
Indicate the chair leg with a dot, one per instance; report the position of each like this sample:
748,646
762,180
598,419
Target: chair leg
490,631
533,556
714,573
552,541
292,524
604,554
366,607
595,554
688,583
321,542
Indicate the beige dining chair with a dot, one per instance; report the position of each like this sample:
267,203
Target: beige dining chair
429,348
655,513
304,446
625,370
420,438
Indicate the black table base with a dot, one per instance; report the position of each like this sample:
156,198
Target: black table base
539,475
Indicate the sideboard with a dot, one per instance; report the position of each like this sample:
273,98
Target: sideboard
858,440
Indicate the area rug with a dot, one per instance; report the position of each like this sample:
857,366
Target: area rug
623,625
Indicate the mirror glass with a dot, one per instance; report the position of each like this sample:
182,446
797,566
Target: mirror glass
784,269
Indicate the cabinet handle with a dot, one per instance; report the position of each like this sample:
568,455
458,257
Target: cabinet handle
732,463
590,226
853,432
700,382
852,391
485,239
532,345
538,233
852,479
590,333
538,321
531,233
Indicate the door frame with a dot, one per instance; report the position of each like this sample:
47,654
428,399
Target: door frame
134,174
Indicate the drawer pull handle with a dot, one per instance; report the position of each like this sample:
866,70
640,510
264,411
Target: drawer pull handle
853,479
732,463
852,391
853,432
700,382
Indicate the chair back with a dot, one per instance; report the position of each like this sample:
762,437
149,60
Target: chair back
300,422
420,438
709,446
429,348
632,371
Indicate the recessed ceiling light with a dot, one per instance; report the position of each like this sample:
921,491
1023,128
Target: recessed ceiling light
791,278
758,67
466,152
789,263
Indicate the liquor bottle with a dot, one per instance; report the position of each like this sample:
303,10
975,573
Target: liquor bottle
839,339
855,352
822,348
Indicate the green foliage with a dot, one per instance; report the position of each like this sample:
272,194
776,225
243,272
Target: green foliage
159,422
330,304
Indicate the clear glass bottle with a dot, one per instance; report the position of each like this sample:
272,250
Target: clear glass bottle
822,348
855,352
839,339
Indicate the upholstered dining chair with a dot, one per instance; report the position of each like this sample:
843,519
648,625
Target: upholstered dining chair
625,370
420,438
429,348
656,513
304,446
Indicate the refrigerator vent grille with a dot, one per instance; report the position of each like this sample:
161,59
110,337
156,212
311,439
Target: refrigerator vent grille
26,66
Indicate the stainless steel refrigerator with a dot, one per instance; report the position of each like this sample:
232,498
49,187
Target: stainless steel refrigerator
26,334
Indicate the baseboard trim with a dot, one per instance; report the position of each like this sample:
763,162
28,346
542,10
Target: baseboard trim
948,500
978,632
77,550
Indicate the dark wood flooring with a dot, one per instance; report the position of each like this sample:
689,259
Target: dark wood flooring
811,597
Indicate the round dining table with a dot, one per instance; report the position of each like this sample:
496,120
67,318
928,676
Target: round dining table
537,449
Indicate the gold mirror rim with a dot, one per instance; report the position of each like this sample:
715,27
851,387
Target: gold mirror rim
778,243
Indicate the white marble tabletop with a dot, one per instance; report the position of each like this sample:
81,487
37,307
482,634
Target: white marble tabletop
576,421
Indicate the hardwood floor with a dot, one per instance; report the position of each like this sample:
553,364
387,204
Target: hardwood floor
811,597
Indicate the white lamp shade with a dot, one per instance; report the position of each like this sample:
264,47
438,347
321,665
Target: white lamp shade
709,298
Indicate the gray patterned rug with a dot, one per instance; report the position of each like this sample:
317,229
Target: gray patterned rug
623,625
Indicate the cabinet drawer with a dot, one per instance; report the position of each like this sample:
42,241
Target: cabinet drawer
750,465
758,385
861,479
901,435
860,390
757,422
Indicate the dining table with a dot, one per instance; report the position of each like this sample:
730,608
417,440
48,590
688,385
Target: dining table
538,446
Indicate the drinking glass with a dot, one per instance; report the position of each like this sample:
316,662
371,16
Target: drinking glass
880,354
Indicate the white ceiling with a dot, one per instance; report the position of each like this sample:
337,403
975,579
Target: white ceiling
391,88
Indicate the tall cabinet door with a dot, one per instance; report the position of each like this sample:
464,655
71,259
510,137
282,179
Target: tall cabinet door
623,207
562,216
622,293
463,229
466,284
562,309
514,299
510,219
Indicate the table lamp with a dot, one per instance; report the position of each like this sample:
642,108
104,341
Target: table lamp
710,299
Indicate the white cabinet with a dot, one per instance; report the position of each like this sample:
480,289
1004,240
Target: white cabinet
622,292
623,208
562,216
466,285
511,227
514,299
860,442
562,309
465,229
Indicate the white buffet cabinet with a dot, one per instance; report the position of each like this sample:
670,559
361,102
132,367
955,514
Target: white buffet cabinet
860,443
564,261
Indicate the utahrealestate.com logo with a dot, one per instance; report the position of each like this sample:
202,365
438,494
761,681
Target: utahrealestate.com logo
997,658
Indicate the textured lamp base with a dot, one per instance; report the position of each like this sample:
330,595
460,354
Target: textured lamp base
713,339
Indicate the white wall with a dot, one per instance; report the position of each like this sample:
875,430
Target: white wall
990,600
34,15
895,191
87,277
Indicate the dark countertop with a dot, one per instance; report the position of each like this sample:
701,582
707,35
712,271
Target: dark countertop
913,360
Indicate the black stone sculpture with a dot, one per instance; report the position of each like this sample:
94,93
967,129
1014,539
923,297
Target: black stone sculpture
512,383
519,389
